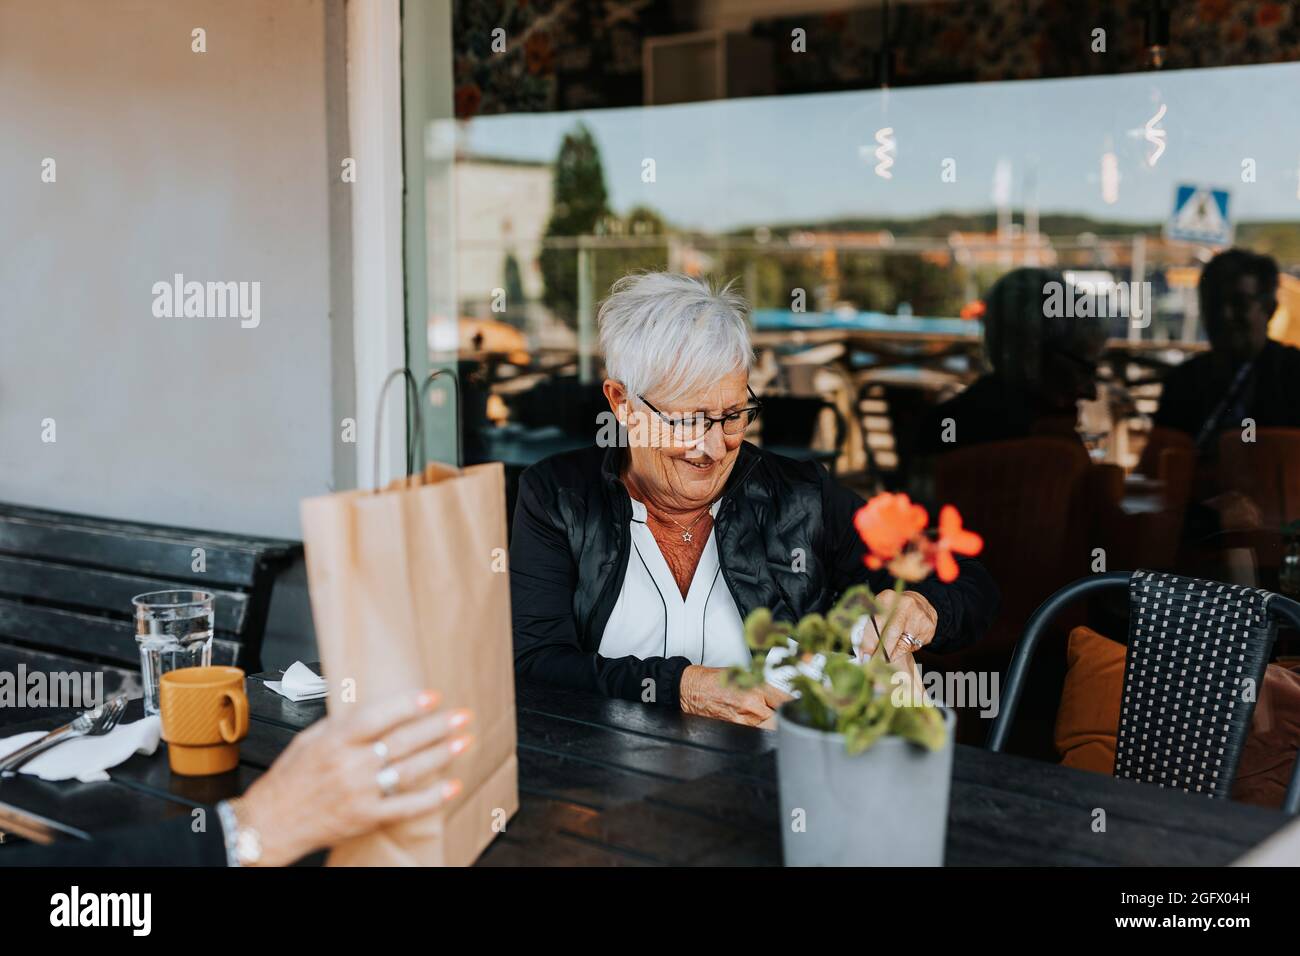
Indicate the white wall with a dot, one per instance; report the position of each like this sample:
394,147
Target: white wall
222,166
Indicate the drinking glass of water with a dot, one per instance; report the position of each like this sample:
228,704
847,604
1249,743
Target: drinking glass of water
174,630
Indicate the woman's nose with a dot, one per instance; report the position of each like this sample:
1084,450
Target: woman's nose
713,444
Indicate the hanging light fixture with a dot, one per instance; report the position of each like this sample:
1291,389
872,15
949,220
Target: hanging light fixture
1156,33
885,55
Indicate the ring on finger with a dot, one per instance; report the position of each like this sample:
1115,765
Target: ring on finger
907,638
381,751
387,779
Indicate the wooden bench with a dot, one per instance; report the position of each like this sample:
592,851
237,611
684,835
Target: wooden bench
66,583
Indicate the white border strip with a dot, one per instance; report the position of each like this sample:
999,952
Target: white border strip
375,133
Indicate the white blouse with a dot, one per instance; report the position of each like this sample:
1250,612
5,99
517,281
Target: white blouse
652,619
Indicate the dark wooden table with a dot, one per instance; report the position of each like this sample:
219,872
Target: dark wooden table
606,782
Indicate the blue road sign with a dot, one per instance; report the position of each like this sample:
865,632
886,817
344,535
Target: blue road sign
1200,216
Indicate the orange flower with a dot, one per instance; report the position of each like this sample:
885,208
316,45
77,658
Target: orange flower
953,538
886,524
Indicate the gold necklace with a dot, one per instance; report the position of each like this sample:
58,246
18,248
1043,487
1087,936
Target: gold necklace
686,530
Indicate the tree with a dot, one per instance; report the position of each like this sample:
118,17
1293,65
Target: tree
612,263
579,201
514,289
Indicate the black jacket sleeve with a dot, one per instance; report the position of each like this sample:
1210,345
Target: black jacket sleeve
169,843
543,576
965,607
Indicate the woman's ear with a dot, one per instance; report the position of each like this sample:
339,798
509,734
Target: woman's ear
616,395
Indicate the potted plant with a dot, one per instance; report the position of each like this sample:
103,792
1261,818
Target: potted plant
864,758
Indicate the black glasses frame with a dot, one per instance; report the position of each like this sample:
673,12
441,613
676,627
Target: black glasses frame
709,421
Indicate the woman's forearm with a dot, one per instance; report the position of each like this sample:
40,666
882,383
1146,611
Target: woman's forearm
653,680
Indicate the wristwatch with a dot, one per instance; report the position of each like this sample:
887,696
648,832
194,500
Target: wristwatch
243,843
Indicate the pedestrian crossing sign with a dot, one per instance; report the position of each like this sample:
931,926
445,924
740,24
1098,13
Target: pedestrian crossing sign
1200,216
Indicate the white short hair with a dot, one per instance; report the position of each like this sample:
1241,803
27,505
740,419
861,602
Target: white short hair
669,334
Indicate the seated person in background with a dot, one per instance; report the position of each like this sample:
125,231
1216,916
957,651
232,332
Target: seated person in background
1043,365
343,777
632,568
1245,374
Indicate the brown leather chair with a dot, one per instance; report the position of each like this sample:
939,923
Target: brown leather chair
1267,471
1030,501
1024,498
1152,539
1170,457
1265,474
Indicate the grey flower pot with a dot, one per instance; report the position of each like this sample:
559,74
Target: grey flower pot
887,806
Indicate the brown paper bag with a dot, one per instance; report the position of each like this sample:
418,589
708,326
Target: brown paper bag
409,591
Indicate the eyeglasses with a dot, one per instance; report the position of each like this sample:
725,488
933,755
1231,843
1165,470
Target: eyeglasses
692,427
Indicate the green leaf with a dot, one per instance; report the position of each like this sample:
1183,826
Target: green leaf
762,633
813,703
868,727
921,724
880,672
848,681
854,604
815,636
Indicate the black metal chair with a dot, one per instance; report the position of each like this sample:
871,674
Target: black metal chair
1192,646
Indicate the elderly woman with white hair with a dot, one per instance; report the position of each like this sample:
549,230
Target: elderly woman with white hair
633,566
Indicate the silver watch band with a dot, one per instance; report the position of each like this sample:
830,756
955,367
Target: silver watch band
229,831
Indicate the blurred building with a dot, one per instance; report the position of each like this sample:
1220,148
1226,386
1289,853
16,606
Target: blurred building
502,207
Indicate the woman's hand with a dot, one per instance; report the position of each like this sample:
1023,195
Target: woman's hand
702,692
913,615
325,787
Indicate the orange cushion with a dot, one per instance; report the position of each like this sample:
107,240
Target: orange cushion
1087,721
1270,751
1088,718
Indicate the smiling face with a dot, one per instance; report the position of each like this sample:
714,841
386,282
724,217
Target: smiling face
675,475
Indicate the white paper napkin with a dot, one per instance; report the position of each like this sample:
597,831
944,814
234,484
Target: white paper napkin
299,683
778,672
87,758
781,675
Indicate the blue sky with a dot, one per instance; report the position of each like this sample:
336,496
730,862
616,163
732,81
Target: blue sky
796,158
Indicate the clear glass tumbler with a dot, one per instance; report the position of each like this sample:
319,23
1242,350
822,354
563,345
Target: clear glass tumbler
174,630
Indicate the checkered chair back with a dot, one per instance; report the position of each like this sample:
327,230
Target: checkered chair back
1195,663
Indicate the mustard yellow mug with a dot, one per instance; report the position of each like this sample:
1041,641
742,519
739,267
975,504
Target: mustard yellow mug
204,716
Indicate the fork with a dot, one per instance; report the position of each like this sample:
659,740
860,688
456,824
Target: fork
92,723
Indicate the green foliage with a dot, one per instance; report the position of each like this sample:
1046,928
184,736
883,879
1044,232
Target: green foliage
864,701
514,288
579,201
854,604
921,725
762,633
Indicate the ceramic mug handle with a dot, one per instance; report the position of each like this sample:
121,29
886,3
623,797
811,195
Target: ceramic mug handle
239,701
